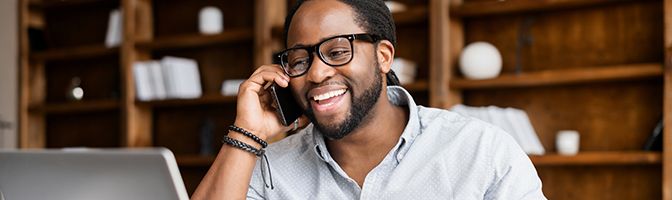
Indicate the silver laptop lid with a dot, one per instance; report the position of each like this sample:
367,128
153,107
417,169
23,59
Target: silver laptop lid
74,174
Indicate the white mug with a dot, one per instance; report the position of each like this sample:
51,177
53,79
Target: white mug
567,142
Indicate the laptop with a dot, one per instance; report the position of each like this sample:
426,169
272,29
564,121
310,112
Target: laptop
74,174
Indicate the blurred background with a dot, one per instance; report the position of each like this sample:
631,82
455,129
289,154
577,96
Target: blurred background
583,86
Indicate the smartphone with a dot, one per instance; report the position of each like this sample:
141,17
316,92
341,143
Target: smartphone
287,108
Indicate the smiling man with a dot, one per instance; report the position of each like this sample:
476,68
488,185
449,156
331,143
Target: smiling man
367,139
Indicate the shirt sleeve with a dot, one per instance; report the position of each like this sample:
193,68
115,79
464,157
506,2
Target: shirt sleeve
515,175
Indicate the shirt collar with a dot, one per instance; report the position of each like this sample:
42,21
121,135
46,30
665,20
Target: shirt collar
397,96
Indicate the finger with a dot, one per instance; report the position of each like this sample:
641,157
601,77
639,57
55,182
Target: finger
272,67
257,81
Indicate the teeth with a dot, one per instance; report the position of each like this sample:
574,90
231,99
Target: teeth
329,95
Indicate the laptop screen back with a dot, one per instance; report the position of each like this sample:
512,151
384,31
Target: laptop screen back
142,174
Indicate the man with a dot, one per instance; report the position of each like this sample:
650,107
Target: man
367,140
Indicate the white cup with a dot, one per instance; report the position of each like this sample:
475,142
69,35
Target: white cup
567,142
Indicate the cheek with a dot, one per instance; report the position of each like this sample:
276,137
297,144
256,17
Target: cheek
299,90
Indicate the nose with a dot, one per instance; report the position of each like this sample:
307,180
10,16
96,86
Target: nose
319,71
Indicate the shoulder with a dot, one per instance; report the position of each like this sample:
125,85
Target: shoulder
471,136
291,145
452,125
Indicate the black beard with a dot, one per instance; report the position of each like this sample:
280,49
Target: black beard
360,108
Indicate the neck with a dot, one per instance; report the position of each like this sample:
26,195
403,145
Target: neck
368,145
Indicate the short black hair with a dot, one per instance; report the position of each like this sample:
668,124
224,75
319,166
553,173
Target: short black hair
371,15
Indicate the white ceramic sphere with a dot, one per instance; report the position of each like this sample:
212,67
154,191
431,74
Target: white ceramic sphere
480,60
210,20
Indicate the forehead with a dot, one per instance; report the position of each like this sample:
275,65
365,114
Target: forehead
320,19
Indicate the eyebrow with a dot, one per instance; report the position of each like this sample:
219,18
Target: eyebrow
300,45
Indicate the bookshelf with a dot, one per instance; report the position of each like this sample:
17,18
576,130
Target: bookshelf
109,115
602,67
573,64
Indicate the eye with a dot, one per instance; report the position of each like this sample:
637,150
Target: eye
298,63
336,54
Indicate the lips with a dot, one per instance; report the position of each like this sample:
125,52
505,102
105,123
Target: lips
325,100
328,95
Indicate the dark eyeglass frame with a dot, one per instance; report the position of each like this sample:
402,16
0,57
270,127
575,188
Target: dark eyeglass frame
282,56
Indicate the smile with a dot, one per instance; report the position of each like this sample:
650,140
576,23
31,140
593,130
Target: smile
328,95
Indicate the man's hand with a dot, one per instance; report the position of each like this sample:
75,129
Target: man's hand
254,110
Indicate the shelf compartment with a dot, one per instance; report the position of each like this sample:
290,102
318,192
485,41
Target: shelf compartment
208,99
194,160
76,107
600,158
565,76
485,8
415,14
96,130
417,86
58,3
71,53
197,40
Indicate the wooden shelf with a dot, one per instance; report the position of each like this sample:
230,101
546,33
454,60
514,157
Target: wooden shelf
484,8
87,51
197,40
194,160
565,76
76,107
417,86
55,3
413,15
204,100
600,158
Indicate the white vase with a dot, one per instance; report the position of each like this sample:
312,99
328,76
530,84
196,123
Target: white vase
480,60
210,20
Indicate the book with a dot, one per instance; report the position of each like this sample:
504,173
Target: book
513,121
181,77
655,141
141,75
114,29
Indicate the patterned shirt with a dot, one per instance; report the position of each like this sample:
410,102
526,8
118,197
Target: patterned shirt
440,155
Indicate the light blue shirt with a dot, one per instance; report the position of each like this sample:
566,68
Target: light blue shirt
440,155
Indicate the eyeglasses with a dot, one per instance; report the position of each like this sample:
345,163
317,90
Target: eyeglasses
334,51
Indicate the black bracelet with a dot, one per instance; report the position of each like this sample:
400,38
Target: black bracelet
263,143
244,146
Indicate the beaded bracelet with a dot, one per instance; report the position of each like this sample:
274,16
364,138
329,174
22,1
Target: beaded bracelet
263,143
244,146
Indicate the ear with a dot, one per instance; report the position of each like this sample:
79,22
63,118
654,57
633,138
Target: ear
385,55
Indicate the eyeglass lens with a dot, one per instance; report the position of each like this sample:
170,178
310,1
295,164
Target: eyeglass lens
334,52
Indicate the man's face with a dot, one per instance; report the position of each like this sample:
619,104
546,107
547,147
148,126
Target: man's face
336,99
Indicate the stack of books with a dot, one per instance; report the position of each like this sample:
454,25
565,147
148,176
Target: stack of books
514,121
169,78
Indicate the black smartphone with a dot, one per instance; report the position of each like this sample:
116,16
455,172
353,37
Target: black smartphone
287,108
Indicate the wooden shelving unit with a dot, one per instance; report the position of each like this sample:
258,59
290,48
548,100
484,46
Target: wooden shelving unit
484,8
600,158
74,53
76,107
194,160
599,66
213,99
579,75
416,14
563,65
197,40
